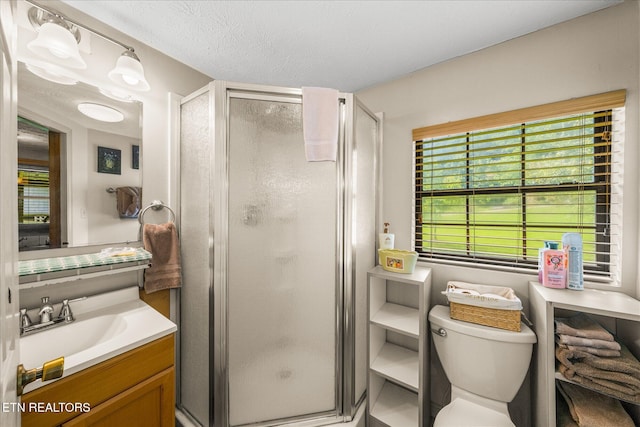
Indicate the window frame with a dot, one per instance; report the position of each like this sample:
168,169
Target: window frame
594,103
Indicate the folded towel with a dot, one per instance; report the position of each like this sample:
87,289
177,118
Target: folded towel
128,201
320,123
591,409
611,388
165,271
618,376
602,352
586,342
583,326
563,416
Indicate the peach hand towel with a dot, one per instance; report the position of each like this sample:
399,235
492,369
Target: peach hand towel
165,271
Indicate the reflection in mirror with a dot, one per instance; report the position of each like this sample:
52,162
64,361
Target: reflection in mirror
67,162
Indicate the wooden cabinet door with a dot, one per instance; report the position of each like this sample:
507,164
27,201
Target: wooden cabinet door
148,404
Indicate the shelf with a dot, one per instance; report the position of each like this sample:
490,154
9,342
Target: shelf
48,271
398,364
398,318
561,377
396,407
604,303
416,278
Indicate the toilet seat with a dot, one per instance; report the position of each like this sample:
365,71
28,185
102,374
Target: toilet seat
463,413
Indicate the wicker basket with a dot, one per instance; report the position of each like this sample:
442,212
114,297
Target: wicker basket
503,319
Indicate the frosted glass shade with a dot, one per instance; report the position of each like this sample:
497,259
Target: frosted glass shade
100,112
129,73
58,46
52,73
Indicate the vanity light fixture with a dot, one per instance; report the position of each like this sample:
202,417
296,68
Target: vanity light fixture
129,72
100,112
57,41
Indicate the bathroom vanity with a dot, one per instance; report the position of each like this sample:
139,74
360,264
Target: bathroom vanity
118,366
398,356
611,309
134,388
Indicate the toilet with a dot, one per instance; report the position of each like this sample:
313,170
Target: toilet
486,367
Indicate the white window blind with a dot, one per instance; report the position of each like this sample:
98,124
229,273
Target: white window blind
493,194
33,195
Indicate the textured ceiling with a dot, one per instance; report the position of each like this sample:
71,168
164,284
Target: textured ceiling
347,45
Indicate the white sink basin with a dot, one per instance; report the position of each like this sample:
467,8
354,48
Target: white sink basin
105,326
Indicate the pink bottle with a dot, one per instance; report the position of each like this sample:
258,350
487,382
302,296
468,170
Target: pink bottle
554,267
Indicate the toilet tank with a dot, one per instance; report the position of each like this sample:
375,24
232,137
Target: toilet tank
486,361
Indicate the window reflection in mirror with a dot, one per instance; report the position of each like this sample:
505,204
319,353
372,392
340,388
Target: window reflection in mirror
63,199
39,195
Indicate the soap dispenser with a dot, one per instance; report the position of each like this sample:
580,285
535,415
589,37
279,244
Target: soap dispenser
386,239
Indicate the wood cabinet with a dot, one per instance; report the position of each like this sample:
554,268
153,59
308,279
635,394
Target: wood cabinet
398,339
608,307
134,388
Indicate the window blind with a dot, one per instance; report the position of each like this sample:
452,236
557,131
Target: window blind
33,195
493,195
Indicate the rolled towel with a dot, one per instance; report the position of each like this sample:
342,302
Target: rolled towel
583,326
591,409
586,342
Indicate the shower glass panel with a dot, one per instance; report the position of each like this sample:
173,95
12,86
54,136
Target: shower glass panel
195,157
365,173
282,280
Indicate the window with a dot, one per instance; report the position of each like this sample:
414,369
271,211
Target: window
33,195
491,190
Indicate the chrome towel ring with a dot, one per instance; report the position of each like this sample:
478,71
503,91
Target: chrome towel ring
156,205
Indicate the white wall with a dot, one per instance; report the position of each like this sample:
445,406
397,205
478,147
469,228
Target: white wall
588,55
105,224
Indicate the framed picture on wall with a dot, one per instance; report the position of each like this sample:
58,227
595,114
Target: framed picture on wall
109,160
135,156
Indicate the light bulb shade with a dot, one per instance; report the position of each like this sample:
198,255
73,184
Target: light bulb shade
52,73
57,45
129,72
100,112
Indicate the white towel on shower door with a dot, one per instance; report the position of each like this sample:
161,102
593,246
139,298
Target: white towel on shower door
320,123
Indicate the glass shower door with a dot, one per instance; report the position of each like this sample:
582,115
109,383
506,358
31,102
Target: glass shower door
282,269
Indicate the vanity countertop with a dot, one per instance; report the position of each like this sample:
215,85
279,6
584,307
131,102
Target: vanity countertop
105,326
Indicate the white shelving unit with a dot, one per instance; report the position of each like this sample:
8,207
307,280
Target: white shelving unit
398,357
545,302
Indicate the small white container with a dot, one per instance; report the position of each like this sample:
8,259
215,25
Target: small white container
386,241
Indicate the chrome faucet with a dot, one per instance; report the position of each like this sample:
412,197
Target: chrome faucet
45,310
46,316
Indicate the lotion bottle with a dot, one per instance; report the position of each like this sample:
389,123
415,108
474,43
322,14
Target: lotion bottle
554,268
386,239
572,245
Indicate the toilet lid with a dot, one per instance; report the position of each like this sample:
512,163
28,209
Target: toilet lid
462,413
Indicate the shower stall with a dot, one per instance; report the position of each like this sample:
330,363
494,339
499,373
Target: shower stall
272,311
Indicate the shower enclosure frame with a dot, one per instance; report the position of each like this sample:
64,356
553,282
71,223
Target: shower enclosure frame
346,401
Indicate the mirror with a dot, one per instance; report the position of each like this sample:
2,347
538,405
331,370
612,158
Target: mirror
68,162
